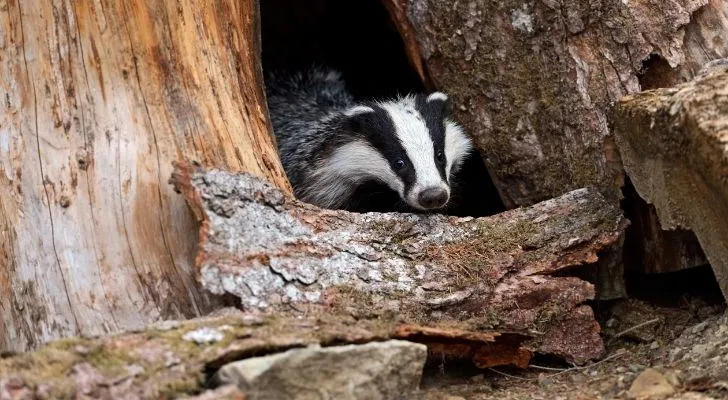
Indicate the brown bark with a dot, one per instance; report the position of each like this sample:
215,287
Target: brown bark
281,256
673,143
99,98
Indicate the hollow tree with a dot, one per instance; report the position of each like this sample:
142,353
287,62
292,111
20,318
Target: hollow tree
99,97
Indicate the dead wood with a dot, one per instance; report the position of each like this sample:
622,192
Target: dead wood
496,274
98,99
673,143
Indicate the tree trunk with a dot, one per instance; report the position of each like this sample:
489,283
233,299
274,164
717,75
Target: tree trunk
533,82
99,98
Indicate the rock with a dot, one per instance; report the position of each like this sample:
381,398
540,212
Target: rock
690,396
650,384
701,351
380,370
674,146
226,392
204,335
15,389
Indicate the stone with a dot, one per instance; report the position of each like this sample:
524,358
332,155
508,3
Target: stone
650,384
204,335
226,392
378,370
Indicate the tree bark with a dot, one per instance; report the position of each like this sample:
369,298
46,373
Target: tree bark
673,143
280,256
99,98
533,81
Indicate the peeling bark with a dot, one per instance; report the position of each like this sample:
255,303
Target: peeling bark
98,98
281,256
674,143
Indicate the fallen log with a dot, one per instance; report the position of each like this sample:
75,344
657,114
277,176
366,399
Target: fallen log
484,289
470,275
674,146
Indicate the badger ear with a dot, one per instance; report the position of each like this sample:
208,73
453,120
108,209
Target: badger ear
356,117
441,101
358,110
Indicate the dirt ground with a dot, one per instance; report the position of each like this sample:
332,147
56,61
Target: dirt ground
678,352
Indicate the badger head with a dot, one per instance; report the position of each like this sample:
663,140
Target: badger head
409,144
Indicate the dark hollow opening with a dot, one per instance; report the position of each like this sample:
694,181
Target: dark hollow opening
358,39
665,268
656,73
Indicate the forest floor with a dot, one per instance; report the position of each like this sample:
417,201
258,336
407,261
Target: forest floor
678,352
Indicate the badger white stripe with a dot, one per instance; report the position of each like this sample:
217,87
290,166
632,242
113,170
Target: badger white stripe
457,146
412,132
349,165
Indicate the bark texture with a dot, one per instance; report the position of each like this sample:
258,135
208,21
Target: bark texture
491,274
674,143
99,97
533,80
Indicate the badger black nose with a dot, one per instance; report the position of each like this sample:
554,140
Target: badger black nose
433,198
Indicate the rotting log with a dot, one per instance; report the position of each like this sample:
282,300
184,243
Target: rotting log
674,144
496,274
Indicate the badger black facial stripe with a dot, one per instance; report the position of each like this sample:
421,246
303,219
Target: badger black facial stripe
413,133
430,109
381,134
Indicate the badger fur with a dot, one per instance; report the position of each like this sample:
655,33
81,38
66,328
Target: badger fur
331,147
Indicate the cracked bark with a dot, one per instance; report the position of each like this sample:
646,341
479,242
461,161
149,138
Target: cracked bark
477,276
98,99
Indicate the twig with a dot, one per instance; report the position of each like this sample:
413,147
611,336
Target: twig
534,366
511,376
564,370
602,361
628,330
619,353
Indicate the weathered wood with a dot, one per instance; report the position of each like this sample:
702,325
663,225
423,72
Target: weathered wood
674,143
281,256
170,359
98,98
651,249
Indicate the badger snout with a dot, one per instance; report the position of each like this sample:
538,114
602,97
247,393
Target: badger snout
433,197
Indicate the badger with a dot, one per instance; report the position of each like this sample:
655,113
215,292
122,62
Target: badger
338,153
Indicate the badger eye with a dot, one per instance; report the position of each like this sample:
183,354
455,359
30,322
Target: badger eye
439,156
399,164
